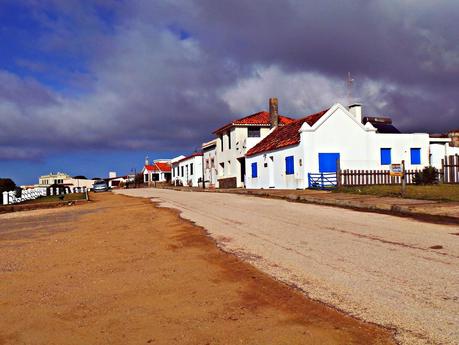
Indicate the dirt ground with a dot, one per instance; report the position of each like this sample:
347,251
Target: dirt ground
121,271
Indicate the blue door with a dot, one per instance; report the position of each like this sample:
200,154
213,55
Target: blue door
327,162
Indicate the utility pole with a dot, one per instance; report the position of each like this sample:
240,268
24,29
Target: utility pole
203,172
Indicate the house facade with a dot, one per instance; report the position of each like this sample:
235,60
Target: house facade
158,171
237,137
315,144
209,151
187,171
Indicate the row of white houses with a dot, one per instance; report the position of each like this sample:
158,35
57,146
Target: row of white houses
267,150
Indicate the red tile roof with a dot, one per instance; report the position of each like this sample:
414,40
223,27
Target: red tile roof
258,119
159,166
285,136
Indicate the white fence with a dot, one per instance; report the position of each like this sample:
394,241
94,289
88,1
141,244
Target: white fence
27,194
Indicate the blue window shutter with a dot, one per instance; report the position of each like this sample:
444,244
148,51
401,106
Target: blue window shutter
254,170
289,166
386,156
415,156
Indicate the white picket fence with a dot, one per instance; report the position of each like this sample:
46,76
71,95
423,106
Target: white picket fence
27,194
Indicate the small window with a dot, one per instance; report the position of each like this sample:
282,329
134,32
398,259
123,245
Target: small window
191,169
182,171
289,166
221,142
254,170
415,156
253,132
212,163
386,156
229,140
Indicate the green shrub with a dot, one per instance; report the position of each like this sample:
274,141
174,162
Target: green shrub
428,175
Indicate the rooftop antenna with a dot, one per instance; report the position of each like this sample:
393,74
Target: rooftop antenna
349,82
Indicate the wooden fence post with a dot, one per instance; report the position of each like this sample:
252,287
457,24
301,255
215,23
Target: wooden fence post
403,178
338,173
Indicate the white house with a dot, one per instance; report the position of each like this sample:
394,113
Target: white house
188,170
209,150
237,137
441,146
158,171
315,143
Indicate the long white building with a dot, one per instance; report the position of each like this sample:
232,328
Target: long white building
187,171
313,144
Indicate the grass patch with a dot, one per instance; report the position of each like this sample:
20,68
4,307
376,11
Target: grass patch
442,192
55,198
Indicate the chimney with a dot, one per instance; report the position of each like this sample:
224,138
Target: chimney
273,112
356,110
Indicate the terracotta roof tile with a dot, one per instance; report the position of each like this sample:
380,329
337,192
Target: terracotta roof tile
261,118
285,136
159,166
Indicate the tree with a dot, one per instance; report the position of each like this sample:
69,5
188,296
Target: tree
6,185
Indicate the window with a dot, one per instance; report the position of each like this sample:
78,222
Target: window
221,142
386,156
253,132
212,163
229,140
289,166
415,156
254,170
182,171
191,169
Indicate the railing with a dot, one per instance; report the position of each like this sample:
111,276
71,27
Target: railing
372,177
35,193
27,194
322,180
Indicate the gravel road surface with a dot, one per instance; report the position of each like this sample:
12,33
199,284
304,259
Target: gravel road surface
392,271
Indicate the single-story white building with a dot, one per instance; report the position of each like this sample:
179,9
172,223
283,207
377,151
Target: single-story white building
439,148
158,171
315,144
188,170
209,150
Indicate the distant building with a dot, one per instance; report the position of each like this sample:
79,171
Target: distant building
64,179
237,137
209,151
188,170
53,178
158,171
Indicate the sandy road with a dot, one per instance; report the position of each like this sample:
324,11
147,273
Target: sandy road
120,271
377,267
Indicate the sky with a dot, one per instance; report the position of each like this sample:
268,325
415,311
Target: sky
88,87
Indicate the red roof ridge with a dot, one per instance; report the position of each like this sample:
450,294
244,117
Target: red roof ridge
286,135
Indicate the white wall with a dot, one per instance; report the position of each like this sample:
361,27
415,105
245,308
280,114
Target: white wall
210,166
188,178
240,144
276,176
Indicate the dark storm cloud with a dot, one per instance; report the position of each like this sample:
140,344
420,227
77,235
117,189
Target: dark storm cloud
161,75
